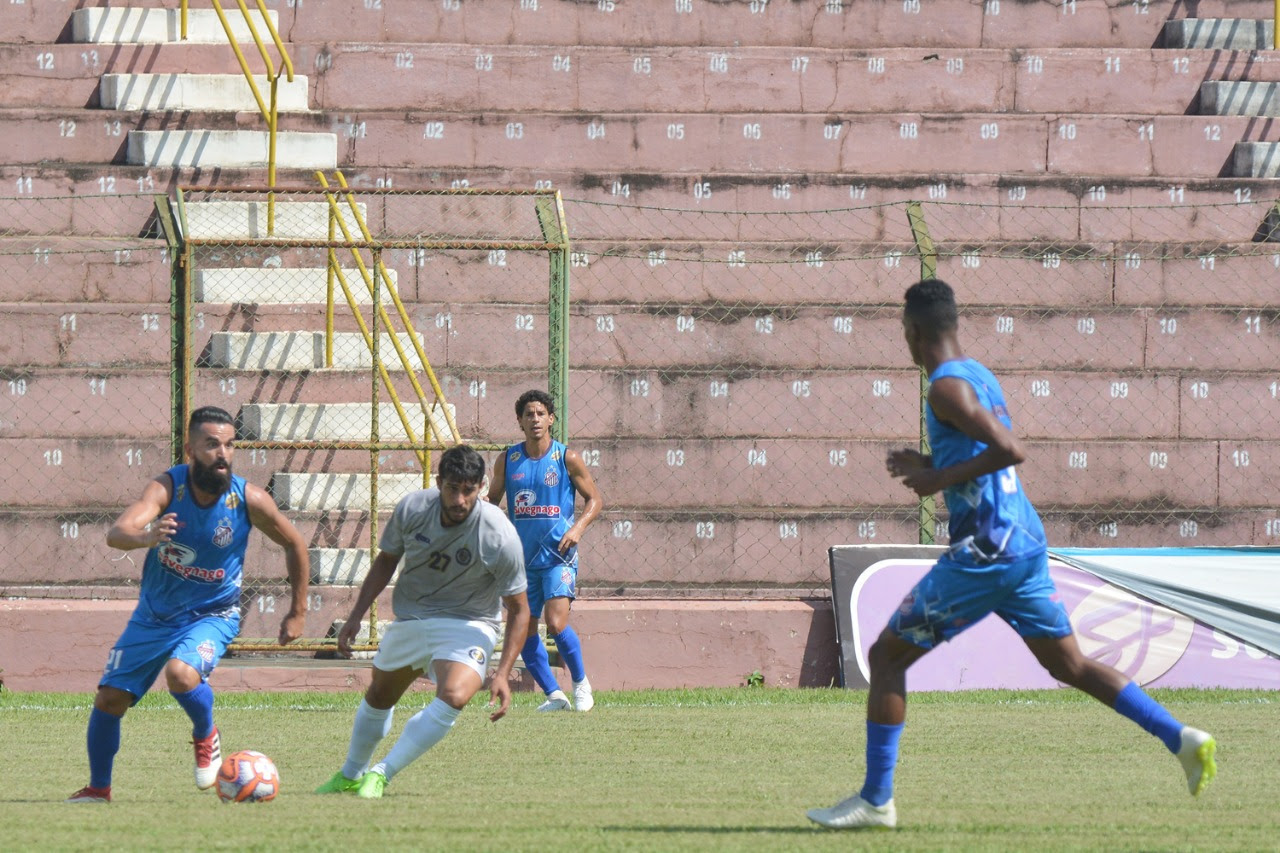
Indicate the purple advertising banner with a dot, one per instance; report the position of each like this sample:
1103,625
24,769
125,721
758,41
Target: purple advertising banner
1147,642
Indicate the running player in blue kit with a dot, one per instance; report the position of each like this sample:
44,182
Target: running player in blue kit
539,478
194,521
997,563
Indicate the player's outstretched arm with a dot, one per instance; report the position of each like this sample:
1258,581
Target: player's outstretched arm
267,517
585,484
141,525
380,573
513,637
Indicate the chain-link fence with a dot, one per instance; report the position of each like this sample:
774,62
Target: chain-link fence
735,379
739,377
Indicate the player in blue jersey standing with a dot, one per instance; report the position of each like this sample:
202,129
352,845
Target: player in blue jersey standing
997,563
194,521
540,478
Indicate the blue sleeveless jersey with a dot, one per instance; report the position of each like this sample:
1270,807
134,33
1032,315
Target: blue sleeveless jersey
198,572
992,520
540,504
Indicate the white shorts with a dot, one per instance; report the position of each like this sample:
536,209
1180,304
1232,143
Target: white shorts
417,642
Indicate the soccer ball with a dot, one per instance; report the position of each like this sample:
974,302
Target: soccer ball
248,777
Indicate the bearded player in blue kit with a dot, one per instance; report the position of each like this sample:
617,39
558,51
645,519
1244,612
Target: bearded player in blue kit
997,563
540,478
194,521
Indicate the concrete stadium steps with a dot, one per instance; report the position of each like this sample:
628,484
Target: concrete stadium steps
138,24
882,143
64,269
700,22
333,422
248,220
1240,98
335,491
68,474
289,284
782,337
1121,146
80,334
188,91
1247,32
68,75
83,404
68,547
303,351
585,78
236,148
618,205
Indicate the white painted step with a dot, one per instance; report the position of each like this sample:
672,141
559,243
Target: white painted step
280,285
244,220
1256,160
304,351
340,491
230,149
1240,98
339,567
337,421
122,25
203,92
1218,33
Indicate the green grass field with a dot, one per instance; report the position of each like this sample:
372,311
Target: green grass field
660,770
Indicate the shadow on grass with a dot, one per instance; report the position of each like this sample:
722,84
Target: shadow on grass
669,829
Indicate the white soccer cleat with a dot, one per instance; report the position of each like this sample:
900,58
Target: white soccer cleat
1196,756
856,813
208,760
582,698
556,701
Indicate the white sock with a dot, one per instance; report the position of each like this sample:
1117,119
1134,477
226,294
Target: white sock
371,726
423,731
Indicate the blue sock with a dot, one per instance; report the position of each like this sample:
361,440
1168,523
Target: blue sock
104,742
571,652
1134,703
882,758
198,704
539,666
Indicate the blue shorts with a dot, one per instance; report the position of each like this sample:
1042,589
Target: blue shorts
552,582
145,647
954,596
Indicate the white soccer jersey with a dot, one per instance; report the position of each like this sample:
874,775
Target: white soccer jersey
461,571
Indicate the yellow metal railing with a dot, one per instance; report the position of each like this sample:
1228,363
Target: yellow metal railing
270,111
374,281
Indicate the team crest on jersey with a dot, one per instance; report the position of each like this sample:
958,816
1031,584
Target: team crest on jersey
223,534
552,477
205,650
463,556
476,654
232,501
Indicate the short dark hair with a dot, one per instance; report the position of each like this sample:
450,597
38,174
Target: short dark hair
209,415
461,464
932,303
535,396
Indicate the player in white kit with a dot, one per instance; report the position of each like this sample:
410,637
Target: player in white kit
461,558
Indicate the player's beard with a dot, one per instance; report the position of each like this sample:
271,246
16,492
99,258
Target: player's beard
210,479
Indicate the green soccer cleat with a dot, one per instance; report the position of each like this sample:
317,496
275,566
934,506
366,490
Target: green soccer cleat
339,784
1196,756
371,785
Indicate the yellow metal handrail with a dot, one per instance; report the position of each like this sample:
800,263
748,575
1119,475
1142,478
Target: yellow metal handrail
270,113
372,284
